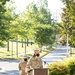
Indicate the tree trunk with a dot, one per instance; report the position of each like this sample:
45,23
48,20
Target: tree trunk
31,43
12,48
22,43
40,47
25,47
27,42
17,47
8,46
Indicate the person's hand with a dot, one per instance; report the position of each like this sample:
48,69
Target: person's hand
30,70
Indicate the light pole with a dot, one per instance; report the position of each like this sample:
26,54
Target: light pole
67,34
67,43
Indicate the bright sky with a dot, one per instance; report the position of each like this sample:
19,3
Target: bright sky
54,6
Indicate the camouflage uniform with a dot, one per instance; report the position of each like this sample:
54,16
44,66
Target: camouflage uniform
22,67
34,62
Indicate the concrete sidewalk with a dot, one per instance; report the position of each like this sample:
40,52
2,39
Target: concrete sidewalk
57,55
9,67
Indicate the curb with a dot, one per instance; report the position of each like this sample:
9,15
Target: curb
48,52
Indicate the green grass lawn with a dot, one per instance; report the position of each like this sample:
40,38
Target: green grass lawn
5,53
72,53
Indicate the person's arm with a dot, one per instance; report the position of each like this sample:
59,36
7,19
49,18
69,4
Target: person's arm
29,65
19,66
41,64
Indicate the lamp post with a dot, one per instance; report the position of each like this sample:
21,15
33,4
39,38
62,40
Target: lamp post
67,44
68,27
67,34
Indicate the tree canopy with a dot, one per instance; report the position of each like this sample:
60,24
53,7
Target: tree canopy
4,34
34,23
68,18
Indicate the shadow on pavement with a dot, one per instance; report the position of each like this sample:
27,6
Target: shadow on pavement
12,72
10,61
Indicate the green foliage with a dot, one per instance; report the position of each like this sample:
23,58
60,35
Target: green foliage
44,16
44,35
57,68
70,63
68,18
3,23
64,67
36,21
61,33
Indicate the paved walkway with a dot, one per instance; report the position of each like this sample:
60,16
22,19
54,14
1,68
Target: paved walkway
56,55
10,67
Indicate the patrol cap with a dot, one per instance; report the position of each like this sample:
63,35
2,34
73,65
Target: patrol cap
25,57
36,51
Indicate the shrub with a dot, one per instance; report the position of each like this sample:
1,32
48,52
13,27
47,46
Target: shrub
65,67
57,68
70,63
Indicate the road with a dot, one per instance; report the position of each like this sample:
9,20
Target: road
10,67
56,55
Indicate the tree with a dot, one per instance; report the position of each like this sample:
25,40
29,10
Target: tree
4,34
68,18
44,13
33,21
61,33
44,35
40,19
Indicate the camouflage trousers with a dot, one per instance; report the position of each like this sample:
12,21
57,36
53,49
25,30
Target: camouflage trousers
23,73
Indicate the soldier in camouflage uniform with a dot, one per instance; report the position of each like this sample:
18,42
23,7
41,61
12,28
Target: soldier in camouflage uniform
34,62
22,66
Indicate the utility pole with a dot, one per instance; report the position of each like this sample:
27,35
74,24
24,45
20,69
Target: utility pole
17,46
67,43
67,31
